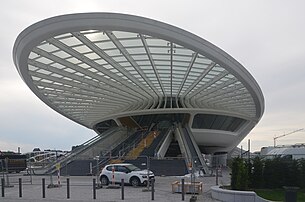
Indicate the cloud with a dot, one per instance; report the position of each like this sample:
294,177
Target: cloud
267,37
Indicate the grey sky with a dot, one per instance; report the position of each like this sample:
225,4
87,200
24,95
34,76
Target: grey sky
267,37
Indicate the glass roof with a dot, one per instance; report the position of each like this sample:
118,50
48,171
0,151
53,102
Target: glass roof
93,73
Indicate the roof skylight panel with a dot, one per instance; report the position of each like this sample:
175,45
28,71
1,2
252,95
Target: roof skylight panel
137,50
69,70
140,57
48,47
129,43
61,54
70,41
56,75
96,36
153,42
106,45
182,52
46,81
84,65
32,68
125,35
33,55
92,56
74,60
201,60
180,64
82,49
113,52
43,71
44,60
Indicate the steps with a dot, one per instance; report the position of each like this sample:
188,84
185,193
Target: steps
173,150
145,143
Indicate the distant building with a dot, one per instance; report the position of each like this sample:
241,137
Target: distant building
296,151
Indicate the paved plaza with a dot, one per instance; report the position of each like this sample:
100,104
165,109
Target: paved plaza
81,189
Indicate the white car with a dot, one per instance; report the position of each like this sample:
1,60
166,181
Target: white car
130,173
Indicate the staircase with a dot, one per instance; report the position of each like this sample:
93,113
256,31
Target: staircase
145,143
173,150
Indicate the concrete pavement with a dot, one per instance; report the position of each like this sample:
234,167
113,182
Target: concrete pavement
81,190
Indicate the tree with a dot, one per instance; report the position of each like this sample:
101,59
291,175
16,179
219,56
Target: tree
301,177
239,176
257,179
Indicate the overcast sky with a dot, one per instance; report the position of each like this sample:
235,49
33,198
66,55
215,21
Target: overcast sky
266,37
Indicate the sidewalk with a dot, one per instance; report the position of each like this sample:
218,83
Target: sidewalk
81,190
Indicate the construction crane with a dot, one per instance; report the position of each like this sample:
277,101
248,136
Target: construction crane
277,137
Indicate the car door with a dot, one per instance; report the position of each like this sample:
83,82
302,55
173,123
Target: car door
109,173
122,173
126,174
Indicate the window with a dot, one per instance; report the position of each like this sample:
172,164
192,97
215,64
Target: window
217,122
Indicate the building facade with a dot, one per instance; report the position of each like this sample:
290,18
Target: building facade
105,70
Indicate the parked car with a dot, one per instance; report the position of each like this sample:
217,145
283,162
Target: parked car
129,172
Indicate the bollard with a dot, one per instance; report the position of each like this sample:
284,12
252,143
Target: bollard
122,188
43,188
216,176
182,189
2,186
68,188
20,187
152,190
94,188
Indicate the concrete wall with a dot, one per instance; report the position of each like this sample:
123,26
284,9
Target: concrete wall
235,196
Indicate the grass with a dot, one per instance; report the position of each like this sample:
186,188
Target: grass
278,194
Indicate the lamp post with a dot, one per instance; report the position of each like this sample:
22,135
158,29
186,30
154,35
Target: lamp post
97,171
147,167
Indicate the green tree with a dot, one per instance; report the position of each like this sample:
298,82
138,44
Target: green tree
257,178
301,177
268,174
292,173
239,175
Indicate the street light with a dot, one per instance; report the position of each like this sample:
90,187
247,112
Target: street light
98,185
147,167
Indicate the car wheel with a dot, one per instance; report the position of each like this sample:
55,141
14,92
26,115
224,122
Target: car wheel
135,181
104,180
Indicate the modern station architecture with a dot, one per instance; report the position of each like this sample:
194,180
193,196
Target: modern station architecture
109,70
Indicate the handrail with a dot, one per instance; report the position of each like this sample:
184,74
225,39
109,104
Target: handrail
82,147
169,130
182,145
105,159
197,150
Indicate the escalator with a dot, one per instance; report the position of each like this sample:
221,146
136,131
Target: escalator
90,149
190,149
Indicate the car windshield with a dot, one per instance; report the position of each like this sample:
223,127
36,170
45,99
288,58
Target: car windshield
133,168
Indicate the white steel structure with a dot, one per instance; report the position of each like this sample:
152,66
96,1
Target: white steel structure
96,67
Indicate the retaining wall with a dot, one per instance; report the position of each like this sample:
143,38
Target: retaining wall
235,196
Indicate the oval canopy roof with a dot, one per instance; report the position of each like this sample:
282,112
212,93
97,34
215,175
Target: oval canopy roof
94,65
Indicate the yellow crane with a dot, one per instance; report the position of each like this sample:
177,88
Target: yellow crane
285,134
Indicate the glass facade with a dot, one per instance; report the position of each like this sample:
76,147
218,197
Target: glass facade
217,122
93,73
